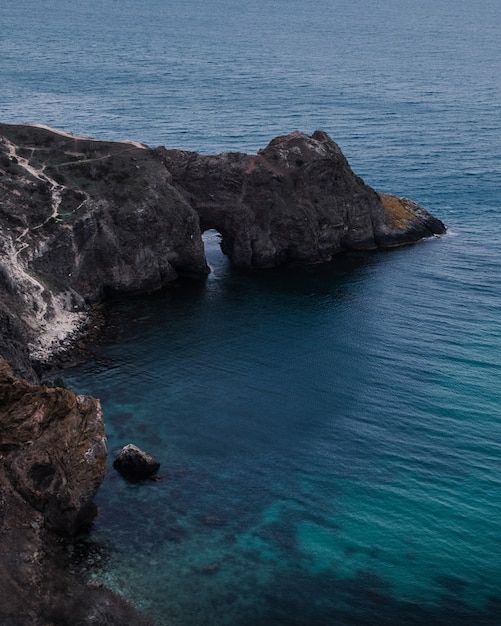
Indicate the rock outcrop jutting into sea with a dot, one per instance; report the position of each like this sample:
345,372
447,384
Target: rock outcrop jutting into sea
82,218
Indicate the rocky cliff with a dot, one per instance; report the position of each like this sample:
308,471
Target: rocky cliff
296,200
80,219
52,462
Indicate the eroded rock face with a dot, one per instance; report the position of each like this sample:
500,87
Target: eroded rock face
81,219
53,450
296,200
52,462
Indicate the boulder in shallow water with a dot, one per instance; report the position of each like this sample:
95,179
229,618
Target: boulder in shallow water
135,464
53,453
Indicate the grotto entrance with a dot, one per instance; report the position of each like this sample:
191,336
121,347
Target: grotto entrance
217,261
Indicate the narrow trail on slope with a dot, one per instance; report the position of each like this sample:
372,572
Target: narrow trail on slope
53,314
56,190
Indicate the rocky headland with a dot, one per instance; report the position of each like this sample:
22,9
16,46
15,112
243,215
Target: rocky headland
81,220
52,462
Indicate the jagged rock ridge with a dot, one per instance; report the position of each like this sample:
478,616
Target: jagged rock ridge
296,200
81,218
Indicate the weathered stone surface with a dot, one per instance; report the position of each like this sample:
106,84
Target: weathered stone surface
81,219
53,449
296,200
135,464
52,462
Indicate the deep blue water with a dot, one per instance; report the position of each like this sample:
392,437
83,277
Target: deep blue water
330,437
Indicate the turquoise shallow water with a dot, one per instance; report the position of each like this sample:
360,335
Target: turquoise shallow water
329,436
330,439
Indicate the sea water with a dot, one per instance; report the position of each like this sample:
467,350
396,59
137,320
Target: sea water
330,436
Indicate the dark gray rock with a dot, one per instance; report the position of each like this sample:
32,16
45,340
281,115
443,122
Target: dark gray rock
297,200
82,219
52,462
135,464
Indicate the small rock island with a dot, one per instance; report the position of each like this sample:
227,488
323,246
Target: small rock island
82,219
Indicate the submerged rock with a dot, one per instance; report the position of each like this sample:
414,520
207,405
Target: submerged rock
211,568
214,520
135,464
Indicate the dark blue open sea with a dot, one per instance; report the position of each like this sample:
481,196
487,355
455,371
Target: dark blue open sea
330,437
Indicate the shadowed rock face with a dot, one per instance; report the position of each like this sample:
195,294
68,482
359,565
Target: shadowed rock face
296,200
53,450
52,462
81,219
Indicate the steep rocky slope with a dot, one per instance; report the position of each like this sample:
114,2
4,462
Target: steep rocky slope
52,462
81,219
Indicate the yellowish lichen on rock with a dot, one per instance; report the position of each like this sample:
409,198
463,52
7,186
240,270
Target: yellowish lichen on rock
398,210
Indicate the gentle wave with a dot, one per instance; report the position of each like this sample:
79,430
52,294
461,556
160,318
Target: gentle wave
330,436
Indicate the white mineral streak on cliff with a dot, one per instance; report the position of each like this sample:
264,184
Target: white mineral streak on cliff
24,163
58,326
49,315
54,187
56,190
99,449
52,317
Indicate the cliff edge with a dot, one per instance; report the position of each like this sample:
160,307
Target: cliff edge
81,219
52,462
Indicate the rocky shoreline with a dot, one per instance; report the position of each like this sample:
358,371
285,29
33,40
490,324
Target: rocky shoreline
52,462
82,220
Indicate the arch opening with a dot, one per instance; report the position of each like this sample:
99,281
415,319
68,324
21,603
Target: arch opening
217,261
